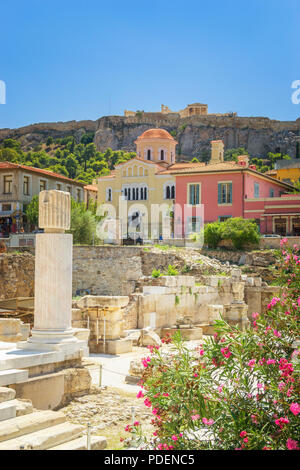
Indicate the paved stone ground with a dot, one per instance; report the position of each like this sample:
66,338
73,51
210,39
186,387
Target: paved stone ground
109,408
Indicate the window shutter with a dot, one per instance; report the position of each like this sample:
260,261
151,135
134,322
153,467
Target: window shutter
192,192
219,193
230,193
197,194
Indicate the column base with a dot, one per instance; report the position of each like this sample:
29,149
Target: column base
54,336
55,340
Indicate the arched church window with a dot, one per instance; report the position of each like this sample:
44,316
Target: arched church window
162,154
109,194
148,154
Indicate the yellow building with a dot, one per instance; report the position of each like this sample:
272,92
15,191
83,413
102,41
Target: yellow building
134,187
287,171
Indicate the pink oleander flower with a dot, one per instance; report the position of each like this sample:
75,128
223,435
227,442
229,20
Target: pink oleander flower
155,411
166,394
194,417
273,302
254,419
226,353
146,361
259,385
251,363
140,394
155,433
246,440
295,408
201,352
175,438
277,333
271,361
147,402
128,428
243,434
255,315
281,422
195,375
283,241
220,388
136,423
292,445
208,422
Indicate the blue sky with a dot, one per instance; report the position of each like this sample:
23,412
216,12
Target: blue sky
75,59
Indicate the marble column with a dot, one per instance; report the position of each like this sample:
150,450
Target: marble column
53,274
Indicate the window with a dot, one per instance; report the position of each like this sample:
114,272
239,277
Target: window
162,155
148,154
42,185
256,189
271,192
6,207
26,186
109,194
58,186
194,194
78,195
223,218
225,193
193,225
169,191
8,184
69,189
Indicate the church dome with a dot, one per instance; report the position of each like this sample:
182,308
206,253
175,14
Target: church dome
155,134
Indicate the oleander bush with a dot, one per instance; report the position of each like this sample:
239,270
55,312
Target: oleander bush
240,390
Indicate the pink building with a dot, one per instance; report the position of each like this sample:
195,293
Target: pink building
230,189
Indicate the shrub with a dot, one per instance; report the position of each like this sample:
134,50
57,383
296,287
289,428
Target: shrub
212,234
240,231
240,391
186,269
172,271
156,273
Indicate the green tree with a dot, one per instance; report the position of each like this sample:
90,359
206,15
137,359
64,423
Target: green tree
49,141
87,138
32,211
83,224
9,155
71,165
233,154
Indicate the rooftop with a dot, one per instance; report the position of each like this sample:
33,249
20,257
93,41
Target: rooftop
156,134
51,174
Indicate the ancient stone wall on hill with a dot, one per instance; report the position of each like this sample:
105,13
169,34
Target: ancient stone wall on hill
259,135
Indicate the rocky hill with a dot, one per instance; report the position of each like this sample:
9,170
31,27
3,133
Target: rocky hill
258,135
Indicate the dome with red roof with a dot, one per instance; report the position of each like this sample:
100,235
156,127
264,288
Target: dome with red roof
155,134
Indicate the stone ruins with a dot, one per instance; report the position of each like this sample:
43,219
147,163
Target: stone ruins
42,369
